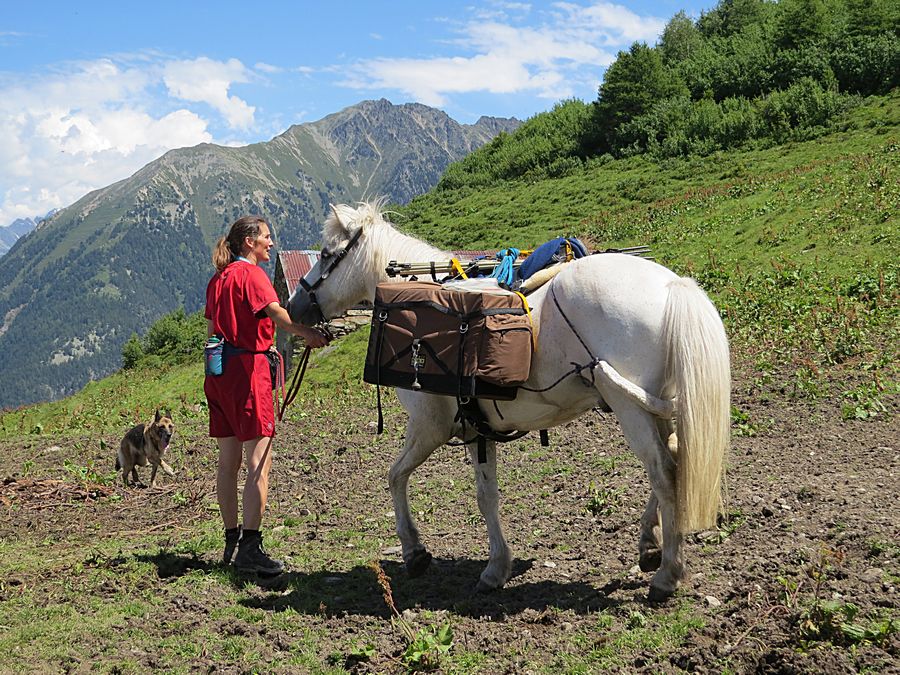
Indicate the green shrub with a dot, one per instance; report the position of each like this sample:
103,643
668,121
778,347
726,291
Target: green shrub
174,338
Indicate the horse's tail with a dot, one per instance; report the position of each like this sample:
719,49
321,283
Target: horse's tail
698,368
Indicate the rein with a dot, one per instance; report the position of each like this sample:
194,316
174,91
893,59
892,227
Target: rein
333,260
294,388
296,381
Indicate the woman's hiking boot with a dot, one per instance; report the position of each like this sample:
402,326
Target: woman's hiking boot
232,537
252,557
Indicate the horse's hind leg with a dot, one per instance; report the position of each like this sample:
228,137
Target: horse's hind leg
500,560
643,435
650,544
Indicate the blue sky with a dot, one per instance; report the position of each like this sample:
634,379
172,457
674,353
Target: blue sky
92,91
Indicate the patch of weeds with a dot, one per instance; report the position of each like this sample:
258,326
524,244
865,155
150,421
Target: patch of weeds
609,464
88,473
878,547
603,501
637,620
863,403
835,621
741,423
468,662
425,647
729,522
359,652
808,383
604,621
658,632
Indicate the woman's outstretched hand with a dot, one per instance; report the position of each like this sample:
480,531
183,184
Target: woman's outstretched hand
314,337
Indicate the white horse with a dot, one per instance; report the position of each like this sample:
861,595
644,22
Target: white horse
652,347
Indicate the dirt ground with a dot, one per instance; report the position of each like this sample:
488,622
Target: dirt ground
812,526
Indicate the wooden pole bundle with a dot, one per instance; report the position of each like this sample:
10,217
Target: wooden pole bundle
479,266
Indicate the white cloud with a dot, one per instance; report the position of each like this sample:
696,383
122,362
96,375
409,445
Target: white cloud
86,125
614,24
556,56
268,68
207,81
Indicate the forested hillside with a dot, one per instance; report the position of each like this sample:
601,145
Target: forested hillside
756,149
749,73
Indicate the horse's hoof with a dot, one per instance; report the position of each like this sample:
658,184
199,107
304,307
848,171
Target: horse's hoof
650,560
482,587
659,595
417,565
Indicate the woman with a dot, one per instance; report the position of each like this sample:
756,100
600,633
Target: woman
242,307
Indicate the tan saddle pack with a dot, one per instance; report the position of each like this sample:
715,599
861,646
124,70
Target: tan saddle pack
468,344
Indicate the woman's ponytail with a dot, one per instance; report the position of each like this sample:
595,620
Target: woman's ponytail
221,255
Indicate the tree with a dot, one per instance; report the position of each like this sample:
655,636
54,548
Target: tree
731,17
801,23
632,84
680,40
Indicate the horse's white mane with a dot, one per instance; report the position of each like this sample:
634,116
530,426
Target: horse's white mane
384,241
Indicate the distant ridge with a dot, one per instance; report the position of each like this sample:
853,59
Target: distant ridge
17,229
73,291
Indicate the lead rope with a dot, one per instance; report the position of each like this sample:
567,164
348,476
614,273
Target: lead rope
279,385
294,387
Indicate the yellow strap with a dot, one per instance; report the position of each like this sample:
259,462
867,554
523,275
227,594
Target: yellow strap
457,267
569,254
530,319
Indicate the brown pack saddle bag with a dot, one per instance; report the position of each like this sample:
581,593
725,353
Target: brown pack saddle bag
426,337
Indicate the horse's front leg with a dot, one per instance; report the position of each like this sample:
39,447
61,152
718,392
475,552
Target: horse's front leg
414,452
430,425
499,567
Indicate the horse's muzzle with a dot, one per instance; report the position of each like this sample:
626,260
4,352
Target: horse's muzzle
304,309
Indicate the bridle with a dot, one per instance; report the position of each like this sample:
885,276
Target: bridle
328,262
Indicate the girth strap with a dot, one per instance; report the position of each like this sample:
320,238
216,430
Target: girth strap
470,413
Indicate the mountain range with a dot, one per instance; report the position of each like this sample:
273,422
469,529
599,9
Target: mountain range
11,233
76,287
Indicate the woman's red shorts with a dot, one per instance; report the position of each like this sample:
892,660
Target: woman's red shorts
240,399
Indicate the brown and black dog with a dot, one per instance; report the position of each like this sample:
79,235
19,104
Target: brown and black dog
146,442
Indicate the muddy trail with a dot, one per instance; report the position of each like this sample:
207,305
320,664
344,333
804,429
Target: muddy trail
802,576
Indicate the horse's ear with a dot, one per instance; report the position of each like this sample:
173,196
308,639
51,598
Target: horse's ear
334,211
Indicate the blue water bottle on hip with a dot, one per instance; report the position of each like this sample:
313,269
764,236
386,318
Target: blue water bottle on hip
213,354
